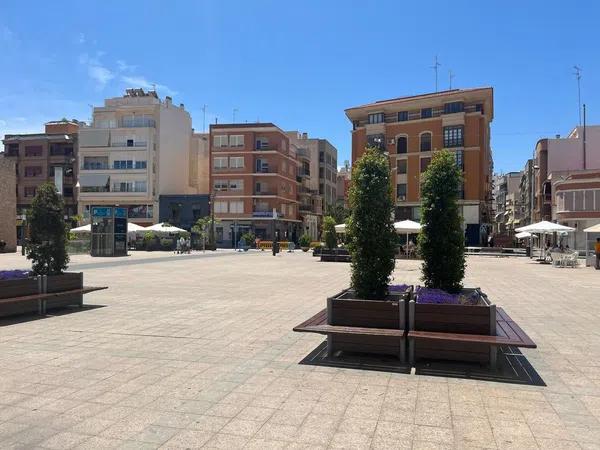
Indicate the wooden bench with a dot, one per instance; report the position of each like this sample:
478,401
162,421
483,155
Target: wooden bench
318,324
42,299
508,332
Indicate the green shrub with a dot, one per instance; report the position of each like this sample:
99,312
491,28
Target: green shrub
304,240
441,241
166,244
249,238
47,246
329,232
370,231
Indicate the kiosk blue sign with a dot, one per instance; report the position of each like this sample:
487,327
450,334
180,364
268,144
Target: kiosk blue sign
109,231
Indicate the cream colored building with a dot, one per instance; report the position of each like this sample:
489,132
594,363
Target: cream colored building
199,175
137,149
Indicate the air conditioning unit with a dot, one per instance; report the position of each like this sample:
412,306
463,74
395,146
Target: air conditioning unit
391,141
402,198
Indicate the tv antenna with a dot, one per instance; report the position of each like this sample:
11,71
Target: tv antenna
204,118
435,66
235,110
450,78
577,74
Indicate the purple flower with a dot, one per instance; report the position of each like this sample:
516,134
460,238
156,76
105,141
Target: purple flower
398,288
13,274
439,297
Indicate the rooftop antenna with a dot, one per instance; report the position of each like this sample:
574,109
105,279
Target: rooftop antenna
435,66
235,110
154,87
578,76
450,78
204,118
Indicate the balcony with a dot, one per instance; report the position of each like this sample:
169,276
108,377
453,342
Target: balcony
261,192
265,214
266,169
136,144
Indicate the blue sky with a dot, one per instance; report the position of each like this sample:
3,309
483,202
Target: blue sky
300,64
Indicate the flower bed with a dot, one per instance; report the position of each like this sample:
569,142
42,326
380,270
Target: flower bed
439,297
14,274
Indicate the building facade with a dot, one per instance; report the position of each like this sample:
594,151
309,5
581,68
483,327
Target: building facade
526,193
8,205
343,185
253,173
507,200
137,149
564,155
576,203
327,173
410,129
45,157
310,206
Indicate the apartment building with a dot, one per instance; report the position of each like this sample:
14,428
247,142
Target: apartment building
310,200
253,173
526,193
410,129
507,199
137,150
576,203
343,185
44,157
8,205
327,172
563,155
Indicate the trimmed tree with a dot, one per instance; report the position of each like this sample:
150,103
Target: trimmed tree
370,229
441,240
47,246
329,232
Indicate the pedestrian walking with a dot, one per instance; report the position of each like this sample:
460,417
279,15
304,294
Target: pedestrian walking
597,249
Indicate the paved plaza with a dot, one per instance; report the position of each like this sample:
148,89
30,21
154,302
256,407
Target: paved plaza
190,351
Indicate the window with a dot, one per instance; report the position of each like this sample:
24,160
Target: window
401,167
459,159
236,140
377,141
376,118
129,142
426,142
424,164
426,113
220,141
130,186
262,143
236,162
30,191
236,185
402,116
140,164
33,150
401,191
68,191
321,156
12,150
33,171
454,107
321,172
453,136
479,107
236,207
402,144
220,207
220,162
220,185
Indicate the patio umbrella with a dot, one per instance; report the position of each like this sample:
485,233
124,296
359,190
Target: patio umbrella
341,228
408,227
165,228
544,227
132,227
82,229
524,235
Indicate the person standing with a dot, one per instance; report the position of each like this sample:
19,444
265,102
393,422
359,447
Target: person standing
597,249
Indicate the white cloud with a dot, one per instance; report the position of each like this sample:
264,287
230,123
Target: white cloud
3,123
96,70
124,67
6,34
139,81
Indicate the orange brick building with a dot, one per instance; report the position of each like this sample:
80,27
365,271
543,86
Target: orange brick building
253,171
410,129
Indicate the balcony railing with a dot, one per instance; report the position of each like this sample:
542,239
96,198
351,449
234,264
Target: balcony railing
264,192
266,214
124,144
266,169
95,166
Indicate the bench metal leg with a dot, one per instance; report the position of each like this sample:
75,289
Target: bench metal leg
493,358
402,351
411,351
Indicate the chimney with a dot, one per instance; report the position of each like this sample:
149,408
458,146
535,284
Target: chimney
181,106
168,100
304,135
557,136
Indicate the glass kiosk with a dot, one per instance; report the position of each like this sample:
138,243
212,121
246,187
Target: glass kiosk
109,231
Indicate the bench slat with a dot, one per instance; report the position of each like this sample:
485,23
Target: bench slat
84,290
